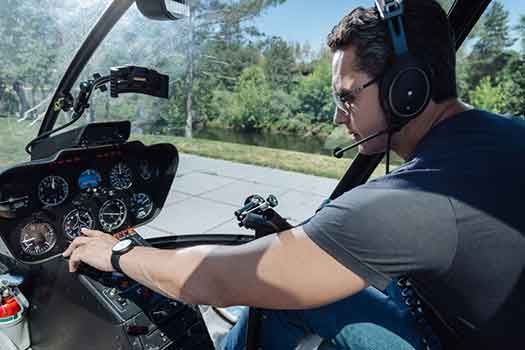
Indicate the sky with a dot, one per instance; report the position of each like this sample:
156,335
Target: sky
307,20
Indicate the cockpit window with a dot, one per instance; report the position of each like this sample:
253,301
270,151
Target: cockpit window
491,62
224,46
39,39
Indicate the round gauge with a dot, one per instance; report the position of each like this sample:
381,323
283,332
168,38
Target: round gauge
112,214
76,220
53,190
89,179
146,171
37,238
121,176
141,205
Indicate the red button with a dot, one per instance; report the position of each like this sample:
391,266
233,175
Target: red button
9,308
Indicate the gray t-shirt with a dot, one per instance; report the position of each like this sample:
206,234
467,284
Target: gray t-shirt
451,218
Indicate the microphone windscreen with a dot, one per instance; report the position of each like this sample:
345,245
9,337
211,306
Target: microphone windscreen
337,152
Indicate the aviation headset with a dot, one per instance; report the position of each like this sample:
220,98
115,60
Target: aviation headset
405,87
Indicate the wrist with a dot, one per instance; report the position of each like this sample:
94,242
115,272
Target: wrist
130,259
120,249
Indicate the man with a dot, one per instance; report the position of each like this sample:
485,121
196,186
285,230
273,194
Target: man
449,218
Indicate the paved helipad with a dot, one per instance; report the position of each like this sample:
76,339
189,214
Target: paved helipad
206,192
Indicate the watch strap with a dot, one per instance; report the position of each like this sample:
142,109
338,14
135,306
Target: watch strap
115,257
115,262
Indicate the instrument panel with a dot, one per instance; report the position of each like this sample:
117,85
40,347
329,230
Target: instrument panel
44,204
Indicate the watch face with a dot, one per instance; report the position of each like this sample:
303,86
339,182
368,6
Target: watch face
122,245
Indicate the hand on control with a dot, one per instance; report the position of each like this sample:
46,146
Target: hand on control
94,249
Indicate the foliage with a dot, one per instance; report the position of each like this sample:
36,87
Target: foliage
315,92
513,83
494,36
520,28
279,64
256,105
488,96
490,51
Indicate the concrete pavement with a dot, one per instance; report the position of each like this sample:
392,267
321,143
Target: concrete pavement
206,192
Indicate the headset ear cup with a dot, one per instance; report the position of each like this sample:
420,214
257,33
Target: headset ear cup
406,90
384,88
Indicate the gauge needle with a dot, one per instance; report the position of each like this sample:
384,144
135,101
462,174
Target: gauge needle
53,183
29,240
112,213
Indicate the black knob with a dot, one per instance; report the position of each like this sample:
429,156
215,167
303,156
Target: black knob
272,201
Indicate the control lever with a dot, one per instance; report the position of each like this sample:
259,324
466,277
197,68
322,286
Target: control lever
249,204
257,214
255,204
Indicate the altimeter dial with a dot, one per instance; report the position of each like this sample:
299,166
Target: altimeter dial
37,238
112,215
53,190
75,220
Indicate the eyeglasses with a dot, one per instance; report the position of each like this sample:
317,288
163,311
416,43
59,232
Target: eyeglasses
344,100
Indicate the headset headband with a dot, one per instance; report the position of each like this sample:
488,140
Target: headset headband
391,11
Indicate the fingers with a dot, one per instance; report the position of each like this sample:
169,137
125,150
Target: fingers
88,249
75,259
79,241
92,233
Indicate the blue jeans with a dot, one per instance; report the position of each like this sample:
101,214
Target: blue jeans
368,320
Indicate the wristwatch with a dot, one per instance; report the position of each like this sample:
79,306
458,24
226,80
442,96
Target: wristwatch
119,249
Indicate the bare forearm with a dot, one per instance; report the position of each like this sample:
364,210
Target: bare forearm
180,274
284,271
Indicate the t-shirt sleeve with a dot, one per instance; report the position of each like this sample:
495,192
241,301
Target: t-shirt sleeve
383,233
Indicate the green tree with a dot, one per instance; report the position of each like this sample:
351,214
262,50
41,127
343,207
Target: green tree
28,49
314,92
520,28
494,35
489,96
490,53
255,105
279,64
513,83
206,16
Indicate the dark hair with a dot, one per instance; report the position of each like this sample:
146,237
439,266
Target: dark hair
429,36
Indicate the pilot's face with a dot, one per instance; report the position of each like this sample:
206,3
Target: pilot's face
361,112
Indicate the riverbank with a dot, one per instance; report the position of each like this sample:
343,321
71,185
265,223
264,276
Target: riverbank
306,163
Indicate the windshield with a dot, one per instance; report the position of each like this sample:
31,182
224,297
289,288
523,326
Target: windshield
241,73
39,39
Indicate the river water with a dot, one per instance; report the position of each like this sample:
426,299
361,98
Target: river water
306,144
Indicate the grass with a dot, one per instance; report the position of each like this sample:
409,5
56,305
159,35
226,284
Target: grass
14,136
312,164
